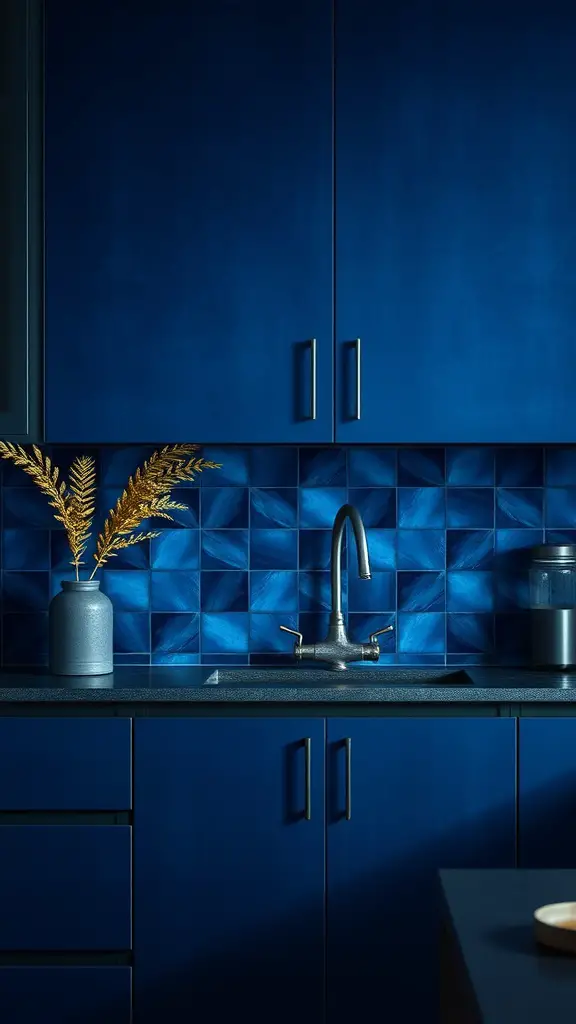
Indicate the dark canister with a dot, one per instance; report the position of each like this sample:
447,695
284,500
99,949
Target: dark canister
553,605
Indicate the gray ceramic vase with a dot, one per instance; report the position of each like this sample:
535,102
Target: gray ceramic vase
80,621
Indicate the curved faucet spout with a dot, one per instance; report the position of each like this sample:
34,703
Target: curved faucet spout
351,513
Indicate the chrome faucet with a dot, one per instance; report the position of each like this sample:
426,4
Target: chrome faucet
336,649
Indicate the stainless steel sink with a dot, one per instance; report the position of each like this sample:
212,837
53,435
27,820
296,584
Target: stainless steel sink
320,677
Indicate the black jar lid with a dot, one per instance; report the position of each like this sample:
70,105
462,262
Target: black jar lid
561,554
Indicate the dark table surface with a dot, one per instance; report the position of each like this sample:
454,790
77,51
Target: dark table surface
515,981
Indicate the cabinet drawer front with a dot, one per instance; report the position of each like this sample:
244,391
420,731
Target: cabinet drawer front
65,995
65,764
65,887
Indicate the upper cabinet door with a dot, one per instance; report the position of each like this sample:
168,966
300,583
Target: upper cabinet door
20,217
455,213
189,221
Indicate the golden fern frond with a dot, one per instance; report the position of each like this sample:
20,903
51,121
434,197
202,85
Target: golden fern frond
147,494
40,469
81,505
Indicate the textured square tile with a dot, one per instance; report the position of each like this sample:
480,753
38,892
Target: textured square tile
512,638
224,508
470,591
376,505
266,635
361,625
420,467
26,549
469,549
421,549
273,509
174,633
225,632
561,467
161,658
421,507
420,633
513,549
176,549
471,466
25,591
131,632
273,549
117,464
315,548
56,578
273,591
128,591
27,507
25,637
470,507
381,549
235,467
314,626
323,467
189,516
519,467
470,634
519,507
406,658
512,590
224,591
225,549
272,660
560,507
224,659
60,554
131,659
315,593
372,467
560,537
176,590
273,466
319,505
420,591
374,595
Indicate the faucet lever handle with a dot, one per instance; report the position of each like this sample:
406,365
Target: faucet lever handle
295,633
387,629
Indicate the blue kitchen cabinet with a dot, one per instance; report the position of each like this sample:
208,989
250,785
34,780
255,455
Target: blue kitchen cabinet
65,995
65,888
455,196
189,214
406,797
229,869
547,793
21,218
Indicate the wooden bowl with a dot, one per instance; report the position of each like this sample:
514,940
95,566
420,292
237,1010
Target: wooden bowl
555,926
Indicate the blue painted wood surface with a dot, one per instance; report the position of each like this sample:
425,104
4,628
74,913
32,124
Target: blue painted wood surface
229,873
547,793
65,887
424,794
65,764
188,221
455,197
65,995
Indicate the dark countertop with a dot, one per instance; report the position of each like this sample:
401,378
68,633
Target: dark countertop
371,685
513,978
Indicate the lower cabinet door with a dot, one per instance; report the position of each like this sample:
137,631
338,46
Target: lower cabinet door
229,835
547,793
406,797
65,995
65,887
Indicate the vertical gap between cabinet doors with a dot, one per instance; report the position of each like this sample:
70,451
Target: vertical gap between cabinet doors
517,792
335,351
132,883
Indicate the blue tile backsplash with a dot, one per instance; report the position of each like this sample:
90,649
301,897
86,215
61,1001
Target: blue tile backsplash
449,532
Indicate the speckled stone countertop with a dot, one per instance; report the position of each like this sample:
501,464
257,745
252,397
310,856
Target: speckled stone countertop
368,685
